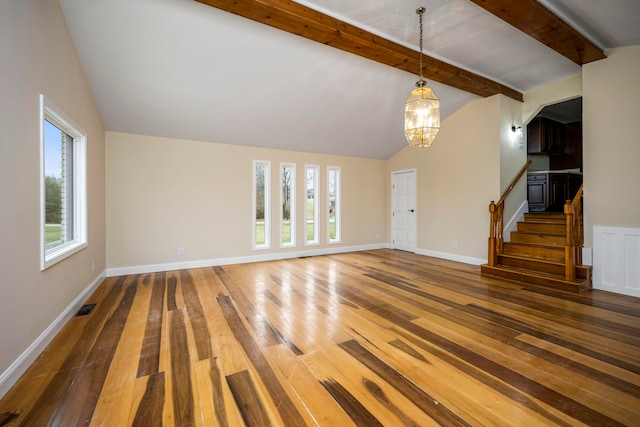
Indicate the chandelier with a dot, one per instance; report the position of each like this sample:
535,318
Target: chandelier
422,109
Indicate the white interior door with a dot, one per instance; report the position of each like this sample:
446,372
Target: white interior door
403,222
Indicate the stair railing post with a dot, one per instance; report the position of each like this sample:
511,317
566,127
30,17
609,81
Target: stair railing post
500,230
569,249
492,235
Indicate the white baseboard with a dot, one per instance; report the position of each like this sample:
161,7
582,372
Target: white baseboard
452,257
22,363
512,225
151,268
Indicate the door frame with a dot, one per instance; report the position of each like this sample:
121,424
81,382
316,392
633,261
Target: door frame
393,207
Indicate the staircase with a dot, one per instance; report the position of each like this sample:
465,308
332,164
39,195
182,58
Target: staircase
536,255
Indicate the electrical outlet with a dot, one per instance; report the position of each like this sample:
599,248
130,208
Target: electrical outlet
181,251
93,266
455,243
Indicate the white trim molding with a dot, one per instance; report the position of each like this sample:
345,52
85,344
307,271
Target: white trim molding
616,260
512,225
13,373
151,268
451,257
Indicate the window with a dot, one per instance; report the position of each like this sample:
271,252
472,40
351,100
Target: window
333,184
261,208
63,188
288,205
311,205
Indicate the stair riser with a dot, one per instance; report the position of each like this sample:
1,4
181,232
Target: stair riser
538,239
551,218
536,227
543,267
553,254
531,264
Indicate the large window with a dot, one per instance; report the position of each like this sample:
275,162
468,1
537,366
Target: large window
311,205
333,184
63,185
288,204
261,205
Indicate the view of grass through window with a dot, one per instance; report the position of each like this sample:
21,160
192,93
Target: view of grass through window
260,236
288,208
288,203
58,186
334,203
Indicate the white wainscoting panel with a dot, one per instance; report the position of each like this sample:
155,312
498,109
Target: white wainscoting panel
616,260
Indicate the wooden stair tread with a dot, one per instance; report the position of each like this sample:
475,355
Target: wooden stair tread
540,260
540,233
536,278
526,258
534,245
534,273
535,255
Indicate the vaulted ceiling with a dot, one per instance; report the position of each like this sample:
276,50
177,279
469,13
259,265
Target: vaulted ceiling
327,76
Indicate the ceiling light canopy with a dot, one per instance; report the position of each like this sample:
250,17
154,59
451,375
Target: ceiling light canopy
422,109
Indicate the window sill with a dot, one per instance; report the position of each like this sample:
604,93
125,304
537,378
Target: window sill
54,256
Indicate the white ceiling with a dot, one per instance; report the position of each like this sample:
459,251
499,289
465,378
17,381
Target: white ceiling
181,69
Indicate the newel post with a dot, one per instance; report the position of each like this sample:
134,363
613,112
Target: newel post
492,235
569,260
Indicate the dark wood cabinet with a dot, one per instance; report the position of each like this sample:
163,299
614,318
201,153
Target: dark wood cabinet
571,156
537,193
544,136
558,191
550,191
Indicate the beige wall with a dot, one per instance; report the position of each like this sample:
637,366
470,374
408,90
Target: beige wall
539,97
39,57
457,177
512,157
611,146
167,193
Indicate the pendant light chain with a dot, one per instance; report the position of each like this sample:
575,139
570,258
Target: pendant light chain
421,12
422,109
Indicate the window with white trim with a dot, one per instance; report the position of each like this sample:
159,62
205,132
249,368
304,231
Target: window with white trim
261,204
312,173
287,204
333,199
63,185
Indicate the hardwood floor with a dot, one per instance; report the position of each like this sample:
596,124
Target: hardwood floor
369,338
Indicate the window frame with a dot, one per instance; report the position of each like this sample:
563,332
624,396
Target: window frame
54,115
337,204
316,205
267,205
292,205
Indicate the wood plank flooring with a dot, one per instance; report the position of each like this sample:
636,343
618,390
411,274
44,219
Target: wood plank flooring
367,338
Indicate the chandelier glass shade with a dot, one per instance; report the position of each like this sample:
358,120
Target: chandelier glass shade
422,109
421,116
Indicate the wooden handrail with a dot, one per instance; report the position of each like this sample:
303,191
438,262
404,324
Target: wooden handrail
578,196
514,182
496,227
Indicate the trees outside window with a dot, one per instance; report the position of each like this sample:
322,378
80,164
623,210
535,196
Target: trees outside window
63,185
261,208
287,204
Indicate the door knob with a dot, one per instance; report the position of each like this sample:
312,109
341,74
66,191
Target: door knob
410,210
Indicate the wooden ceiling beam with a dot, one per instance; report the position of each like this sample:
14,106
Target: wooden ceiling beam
535,20
313,25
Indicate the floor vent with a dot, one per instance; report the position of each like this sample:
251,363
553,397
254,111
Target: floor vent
85,310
